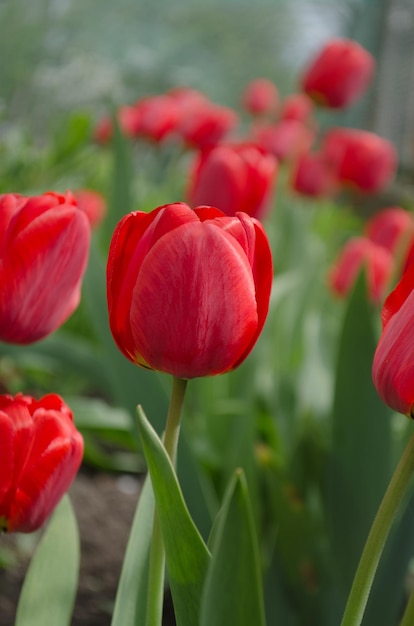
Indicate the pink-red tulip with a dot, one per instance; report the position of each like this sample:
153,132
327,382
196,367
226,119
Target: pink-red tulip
188,290
93,204
360,159
393,366
41,451
285,140
339,74
311,176
359,253
234,177
44,251
260,97
297,106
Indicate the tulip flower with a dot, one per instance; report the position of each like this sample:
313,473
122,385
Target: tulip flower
311,176
41,452
93,204
260,97
358,253
360,159
44,252
339,74
188,290
391,228
285,140
202,126
393,366
234,177
297,106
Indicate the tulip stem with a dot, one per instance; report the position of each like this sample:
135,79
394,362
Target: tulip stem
380,529
408,617
155,594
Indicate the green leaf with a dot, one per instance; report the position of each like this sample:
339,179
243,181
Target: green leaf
187,556
49,589
359,467
233,591
131,597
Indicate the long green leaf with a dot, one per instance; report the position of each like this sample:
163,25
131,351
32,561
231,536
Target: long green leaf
359,467
131,597
49,589
233,591
187,556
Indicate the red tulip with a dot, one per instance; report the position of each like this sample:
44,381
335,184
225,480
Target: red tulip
158,117
360,159
93,204
285,139
44,251
297,106
393,366
357,253
188,291
260,97
234,177
204,125
311,176
389,226
41,451
339,74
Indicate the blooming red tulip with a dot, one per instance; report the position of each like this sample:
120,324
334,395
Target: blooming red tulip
44,251
285,139
357,253
339,74
188,290
360,159
234,177
260,97
203,126
311,176
93,204
41,451
393,366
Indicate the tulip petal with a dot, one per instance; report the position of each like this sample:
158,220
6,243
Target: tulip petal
194,308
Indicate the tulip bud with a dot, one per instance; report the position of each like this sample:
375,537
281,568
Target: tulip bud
188,291
260,97
41,453
93,204
234,178
339,74
44,251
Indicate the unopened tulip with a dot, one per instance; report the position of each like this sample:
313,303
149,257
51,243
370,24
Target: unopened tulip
260,97
188,290
234,177
93,204
389,226
360,159
297,106
44,251
285,140
204,125
41,452
357,254
311,176
393,366
339,74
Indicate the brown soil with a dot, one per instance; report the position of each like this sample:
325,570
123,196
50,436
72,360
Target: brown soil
104,506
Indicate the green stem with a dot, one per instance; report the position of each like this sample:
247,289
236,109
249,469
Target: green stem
408,617
155,594
380,529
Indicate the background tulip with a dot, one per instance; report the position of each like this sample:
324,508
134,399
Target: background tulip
339,74
41,453
393,366
93,204
44,251
234,177
260,96
356,254
188,291
311,176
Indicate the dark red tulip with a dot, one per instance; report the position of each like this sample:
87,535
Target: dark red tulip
188,290
41,451
393,366
339,74
360,159
260,97
44,251
234,177
359,253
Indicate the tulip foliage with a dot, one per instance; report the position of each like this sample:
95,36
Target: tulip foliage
233,292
